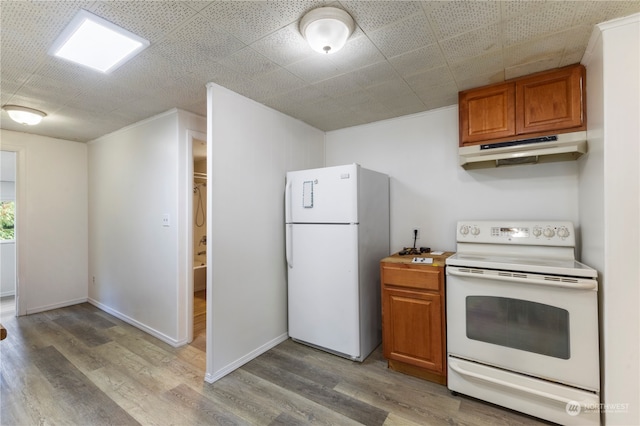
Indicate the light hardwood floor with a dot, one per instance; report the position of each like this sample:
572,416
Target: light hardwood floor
81,366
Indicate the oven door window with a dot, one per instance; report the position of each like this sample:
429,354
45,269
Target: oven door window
519,324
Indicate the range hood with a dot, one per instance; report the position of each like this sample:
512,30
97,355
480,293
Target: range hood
560,147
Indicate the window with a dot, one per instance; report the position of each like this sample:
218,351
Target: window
7,220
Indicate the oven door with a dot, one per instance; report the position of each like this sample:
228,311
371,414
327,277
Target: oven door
542,326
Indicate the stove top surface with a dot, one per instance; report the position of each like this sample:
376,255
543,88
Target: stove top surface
541,265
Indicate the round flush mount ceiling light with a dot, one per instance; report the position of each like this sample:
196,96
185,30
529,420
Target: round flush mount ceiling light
327,29
24,115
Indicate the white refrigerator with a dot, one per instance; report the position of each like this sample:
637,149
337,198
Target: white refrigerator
337,231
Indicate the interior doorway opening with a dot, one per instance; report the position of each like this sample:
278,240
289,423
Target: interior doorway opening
8,235
197,240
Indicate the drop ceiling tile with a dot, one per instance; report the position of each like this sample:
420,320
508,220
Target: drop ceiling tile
314,68
354,99
245,87
450,18
438,77
375,74
152,69
576,44
279,81
542,49
197,43
542,64
594,12
406,102
148,19
250,21
38,86
284,46
473,43
491,63
510,9
357,53
555,17
373,15
197,5
389,89
479,80
403,36
433,103
429,94
17,66
42,21
418,60
249,62
339,85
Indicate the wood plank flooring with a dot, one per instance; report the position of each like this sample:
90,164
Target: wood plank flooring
81,366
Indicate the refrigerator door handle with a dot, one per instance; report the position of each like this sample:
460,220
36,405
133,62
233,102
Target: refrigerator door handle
288,243
287,202
288,226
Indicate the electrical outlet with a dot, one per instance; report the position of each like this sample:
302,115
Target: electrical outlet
94,280
165,219
415,233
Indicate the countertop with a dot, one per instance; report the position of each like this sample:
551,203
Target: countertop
438,260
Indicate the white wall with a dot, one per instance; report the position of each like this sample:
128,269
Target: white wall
430,191
51,220
610,208
250,149
136,176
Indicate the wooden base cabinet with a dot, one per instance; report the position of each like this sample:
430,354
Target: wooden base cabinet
413,316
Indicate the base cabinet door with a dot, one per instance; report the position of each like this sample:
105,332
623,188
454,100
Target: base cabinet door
412,328
413,317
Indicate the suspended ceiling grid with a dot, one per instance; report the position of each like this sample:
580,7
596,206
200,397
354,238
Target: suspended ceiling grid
404,57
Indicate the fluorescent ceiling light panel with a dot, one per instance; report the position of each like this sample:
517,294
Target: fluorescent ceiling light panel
93,42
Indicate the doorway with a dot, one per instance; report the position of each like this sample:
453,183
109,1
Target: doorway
199,240
8,252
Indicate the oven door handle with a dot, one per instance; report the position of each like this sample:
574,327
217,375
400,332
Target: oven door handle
455,367
578,285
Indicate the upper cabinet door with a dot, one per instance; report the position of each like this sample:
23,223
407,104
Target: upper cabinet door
487,113
551,101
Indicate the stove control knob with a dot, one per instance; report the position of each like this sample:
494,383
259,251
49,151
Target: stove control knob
537,231
475,230
464,229
563,232
549,232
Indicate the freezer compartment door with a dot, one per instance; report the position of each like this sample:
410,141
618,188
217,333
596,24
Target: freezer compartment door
323,287
326,195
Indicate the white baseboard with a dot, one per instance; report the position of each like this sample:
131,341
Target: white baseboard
8,293
137,324
217,375
55,306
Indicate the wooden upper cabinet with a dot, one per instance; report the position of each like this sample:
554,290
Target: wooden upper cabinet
551,101
487,113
